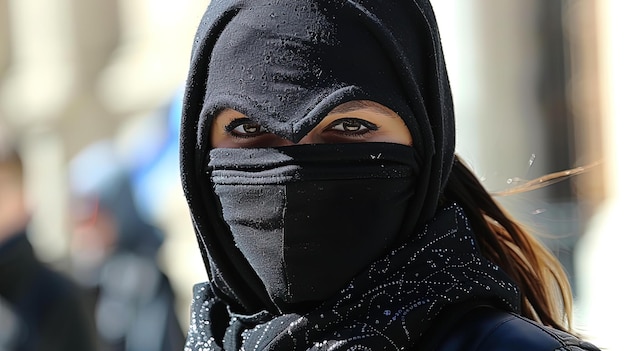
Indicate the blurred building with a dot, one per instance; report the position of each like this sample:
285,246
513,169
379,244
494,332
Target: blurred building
525,80
530,81
75,71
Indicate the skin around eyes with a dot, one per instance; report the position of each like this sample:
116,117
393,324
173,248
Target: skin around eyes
354,121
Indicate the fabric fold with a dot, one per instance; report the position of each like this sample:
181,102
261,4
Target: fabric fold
388,306
308,218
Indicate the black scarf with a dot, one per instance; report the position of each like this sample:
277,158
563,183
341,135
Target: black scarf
308,218
285,64
389,306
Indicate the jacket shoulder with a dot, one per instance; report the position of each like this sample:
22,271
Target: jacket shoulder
490,329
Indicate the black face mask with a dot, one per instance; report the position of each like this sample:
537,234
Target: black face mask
299,213
285,64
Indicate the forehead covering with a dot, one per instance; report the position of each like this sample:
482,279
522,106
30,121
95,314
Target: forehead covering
285,64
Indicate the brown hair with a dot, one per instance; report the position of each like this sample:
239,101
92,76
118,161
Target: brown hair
544,287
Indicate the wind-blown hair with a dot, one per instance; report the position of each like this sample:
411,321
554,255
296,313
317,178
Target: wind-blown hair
544,287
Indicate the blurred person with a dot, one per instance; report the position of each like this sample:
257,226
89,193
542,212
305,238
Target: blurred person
40,309
318,161
114,254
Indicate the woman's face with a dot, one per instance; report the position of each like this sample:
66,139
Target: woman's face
350,122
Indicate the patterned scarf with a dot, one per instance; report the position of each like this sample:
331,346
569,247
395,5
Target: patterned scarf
389,306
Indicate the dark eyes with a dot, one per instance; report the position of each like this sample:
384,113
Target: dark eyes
246,128
354,126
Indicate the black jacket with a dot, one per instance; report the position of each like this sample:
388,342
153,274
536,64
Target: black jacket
490,329
47,306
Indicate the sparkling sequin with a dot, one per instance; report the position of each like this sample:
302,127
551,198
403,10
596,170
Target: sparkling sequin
388,306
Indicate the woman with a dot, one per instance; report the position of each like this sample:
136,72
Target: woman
318,163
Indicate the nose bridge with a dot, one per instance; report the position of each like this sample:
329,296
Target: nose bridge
310,138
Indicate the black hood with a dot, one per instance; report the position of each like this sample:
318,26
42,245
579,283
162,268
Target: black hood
286,64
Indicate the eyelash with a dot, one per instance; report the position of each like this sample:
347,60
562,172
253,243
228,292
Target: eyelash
239,122
369,126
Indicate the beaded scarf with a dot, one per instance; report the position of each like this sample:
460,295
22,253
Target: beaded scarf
389,306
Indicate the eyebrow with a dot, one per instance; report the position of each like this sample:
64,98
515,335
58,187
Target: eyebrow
358,105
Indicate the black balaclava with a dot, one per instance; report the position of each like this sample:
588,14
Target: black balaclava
285,64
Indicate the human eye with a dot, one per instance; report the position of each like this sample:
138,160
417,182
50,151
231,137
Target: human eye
244,128
352,126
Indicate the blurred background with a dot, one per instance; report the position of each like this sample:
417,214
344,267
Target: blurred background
537,87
